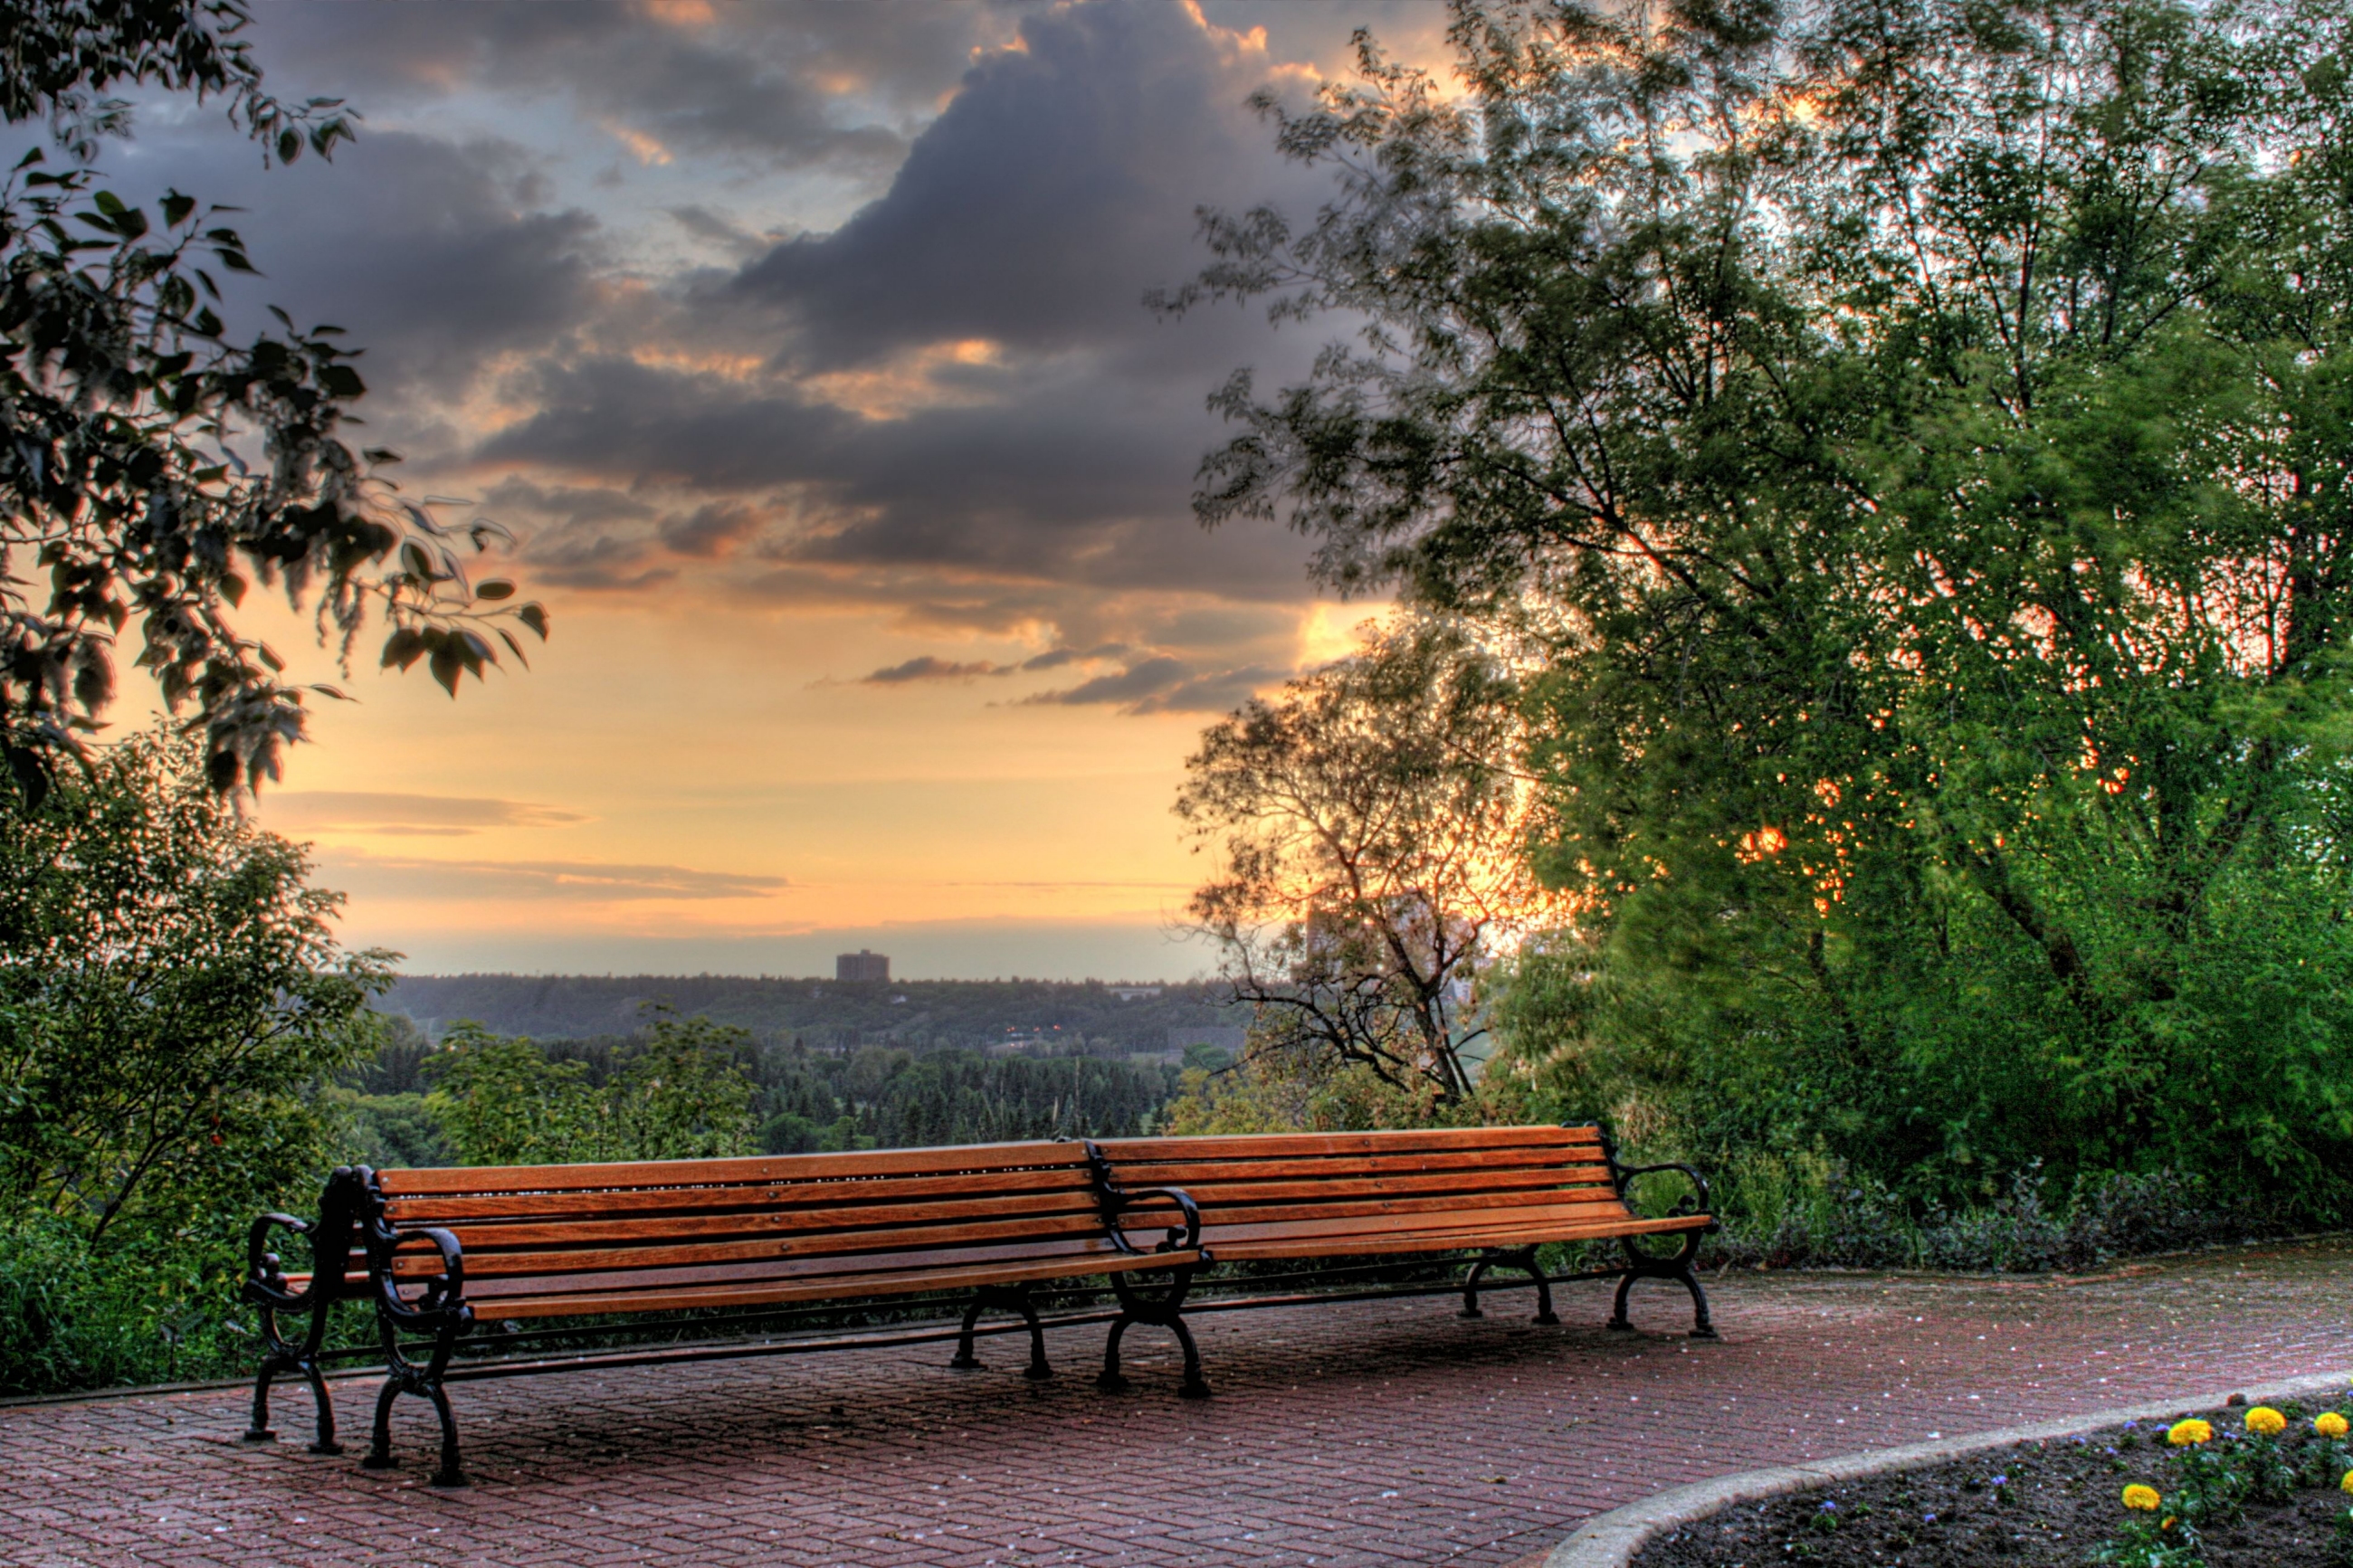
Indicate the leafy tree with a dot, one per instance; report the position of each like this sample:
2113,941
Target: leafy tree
170,1002
1922,430
170,993
501,1102
676,1095
682,1096
153,469
1371,829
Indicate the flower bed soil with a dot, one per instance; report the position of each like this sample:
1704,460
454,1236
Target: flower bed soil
2034,1505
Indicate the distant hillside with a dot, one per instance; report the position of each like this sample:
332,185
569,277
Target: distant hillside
828,1014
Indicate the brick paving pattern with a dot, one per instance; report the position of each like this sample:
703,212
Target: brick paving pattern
1363,1433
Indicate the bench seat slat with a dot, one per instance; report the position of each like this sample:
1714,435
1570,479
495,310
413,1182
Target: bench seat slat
420,1261
1079,1255
765,1293
1340,1221
1080,1208
1224,1218
1292,1243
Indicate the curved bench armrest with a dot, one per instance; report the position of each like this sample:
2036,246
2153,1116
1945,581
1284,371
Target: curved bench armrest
1187,1240
1695,1202
265,1273
445,1293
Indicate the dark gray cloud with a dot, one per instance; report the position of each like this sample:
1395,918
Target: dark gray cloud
928,667
780,85
952,409
1058,187
581,506
1055,657
610,561
1074,482
1147,677
433,256
713,529
1166,684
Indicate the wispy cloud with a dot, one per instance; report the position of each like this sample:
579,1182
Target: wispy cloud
1166,684
929,667
578,880
386,812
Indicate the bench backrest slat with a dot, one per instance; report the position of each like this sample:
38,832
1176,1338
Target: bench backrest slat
448,1208
723,1219
1254,1184
620,1176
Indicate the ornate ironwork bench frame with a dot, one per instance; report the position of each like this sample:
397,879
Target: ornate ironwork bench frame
1681,1267
354,1246
421,1318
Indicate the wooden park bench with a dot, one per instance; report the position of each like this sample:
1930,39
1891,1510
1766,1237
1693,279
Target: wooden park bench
1498,1192
434,1249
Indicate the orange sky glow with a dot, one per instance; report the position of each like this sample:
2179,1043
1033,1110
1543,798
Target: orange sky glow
802,347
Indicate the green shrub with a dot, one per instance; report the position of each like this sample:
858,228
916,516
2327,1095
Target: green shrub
679,1094
172,1005
79,1315
1815,1213
392,1132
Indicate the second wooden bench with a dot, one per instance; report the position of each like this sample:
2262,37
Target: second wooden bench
1499,1192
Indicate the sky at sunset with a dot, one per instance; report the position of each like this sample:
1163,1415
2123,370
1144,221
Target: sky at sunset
801,345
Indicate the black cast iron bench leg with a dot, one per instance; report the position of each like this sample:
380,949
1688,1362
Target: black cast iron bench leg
405,1376
1678,1269
1522,1259
442,1312
1166,1312
1014,1297
332,1237
259,1431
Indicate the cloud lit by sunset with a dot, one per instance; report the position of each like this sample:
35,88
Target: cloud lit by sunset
804,352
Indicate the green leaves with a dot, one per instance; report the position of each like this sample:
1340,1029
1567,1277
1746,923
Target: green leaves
169,987
1909,447
676,1095
131,423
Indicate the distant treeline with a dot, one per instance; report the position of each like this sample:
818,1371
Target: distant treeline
825,1015
802,1100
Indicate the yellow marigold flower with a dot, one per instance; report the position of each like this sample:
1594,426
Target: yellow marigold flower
2347,1484
2182,1433
2266,1422
2145,1498
2329,1424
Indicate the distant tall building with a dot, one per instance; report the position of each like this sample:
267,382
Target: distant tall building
862,965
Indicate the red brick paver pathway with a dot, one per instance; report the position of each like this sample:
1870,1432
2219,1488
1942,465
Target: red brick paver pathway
1369,1433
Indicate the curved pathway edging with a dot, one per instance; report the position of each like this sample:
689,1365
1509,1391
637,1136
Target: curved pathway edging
1611,1540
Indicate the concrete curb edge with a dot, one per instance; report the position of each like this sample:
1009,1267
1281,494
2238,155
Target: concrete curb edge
1611,1540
